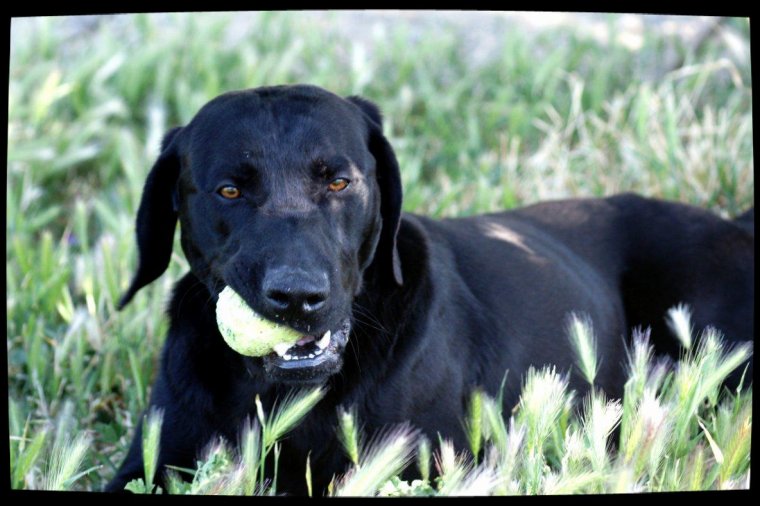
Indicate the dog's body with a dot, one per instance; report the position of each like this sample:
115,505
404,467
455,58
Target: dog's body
421,311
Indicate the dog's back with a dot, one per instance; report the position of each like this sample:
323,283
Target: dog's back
648,253
747,221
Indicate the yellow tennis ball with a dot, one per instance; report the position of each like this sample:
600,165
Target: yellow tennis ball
245,331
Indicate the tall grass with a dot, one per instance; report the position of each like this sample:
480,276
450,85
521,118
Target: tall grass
538,119
668,443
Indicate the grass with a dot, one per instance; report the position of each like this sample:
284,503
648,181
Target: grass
675,435
552,114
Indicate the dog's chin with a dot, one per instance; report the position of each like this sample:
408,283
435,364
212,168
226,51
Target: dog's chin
311,362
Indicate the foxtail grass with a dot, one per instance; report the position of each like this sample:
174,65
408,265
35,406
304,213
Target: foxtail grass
65,460
423,458
151,443
458,474
250,448
679,320
679,430
581,333
348,433
474,423
283,418
600,418
385,456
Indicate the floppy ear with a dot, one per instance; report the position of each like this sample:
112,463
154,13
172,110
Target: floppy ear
389,180
156,218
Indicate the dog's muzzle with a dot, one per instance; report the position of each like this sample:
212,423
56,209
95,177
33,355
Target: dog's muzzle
311,359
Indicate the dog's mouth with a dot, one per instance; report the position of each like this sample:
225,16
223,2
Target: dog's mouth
311,359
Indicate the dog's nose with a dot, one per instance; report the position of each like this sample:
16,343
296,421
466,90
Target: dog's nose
295,292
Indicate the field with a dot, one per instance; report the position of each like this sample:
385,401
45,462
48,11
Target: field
551,112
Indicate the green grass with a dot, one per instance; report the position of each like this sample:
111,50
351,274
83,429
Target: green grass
675,434
553,114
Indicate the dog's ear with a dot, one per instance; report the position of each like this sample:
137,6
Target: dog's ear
156,217
389,180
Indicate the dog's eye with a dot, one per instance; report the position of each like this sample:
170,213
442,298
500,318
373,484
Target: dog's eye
230,192
338,184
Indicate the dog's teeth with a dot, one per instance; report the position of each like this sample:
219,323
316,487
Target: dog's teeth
325,341
287,357
281,348
311,355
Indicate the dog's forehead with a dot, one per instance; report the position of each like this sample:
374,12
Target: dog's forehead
259,121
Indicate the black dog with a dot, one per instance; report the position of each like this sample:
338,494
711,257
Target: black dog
292,196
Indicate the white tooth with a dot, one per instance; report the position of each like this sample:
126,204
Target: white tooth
281,348
317,351
322,343
287,357
311,355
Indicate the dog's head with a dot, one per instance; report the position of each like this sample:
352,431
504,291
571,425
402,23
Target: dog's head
288,195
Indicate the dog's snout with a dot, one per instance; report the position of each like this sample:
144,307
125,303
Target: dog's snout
294,292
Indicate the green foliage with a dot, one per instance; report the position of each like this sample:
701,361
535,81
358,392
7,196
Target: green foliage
383,458
349,434
584,343
474,423
282,420
63,463
151,442
548,115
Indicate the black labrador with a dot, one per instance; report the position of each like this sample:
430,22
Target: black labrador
291,195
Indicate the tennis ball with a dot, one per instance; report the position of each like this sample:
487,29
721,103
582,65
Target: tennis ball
245,331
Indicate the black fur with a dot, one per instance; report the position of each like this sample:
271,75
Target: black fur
436,308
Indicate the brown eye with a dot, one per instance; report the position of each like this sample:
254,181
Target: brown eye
230,192
337,185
